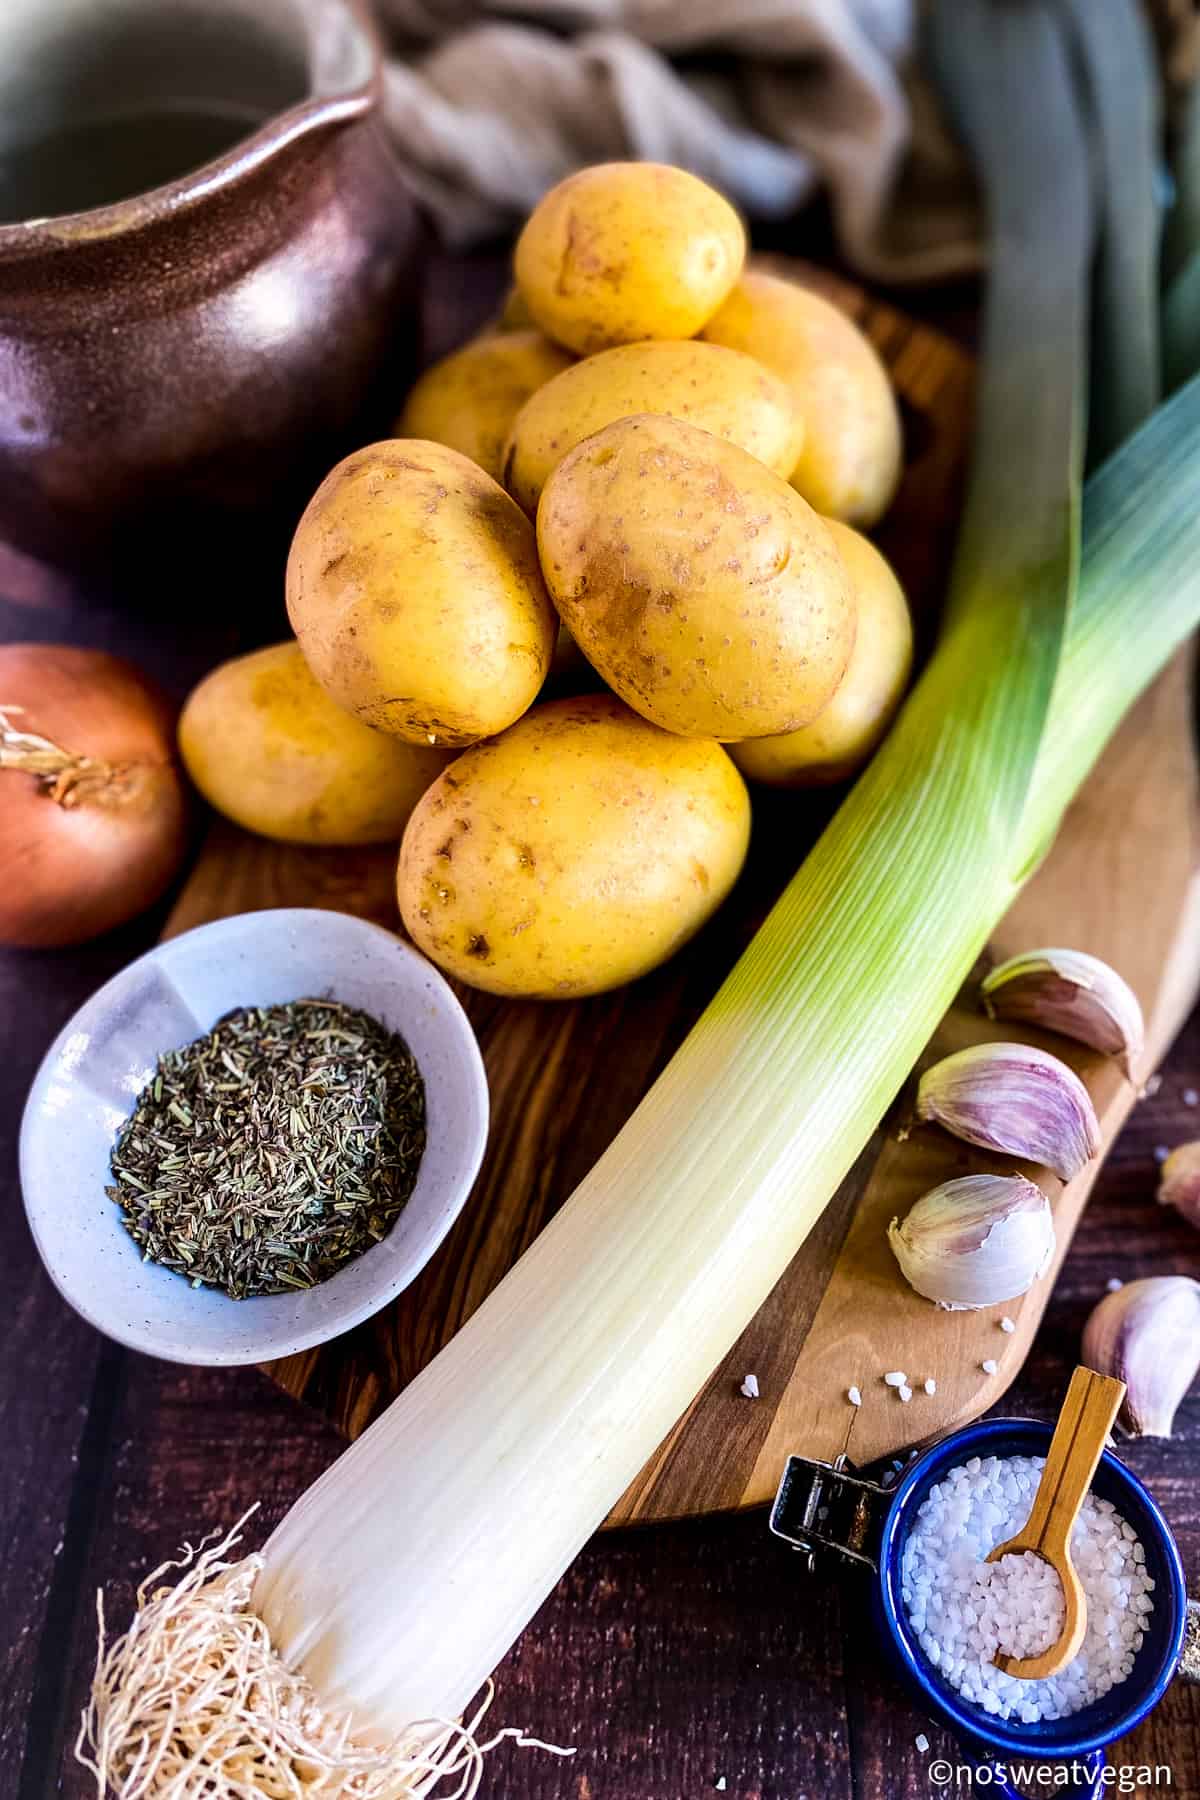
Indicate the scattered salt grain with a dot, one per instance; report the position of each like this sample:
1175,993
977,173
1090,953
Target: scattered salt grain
922,1742
1114,1284
963,1608
1161,1153
897,1378
1191,1097
930,1385
854,1397
988,1365
720,1784
749,1387
1153,1083
1007,1324
904,1393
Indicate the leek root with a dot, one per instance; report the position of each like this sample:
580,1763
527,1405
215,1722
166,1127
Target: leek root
194,1698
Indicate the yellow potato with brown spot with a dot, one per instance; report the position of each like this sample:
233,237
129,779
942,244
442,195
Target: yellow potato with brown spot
619,252
707,593
414,589
470,398
267,747
850,464
844,733
720,390
572,853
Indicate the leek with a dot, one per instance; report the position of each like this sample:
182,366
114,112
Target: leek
398,1581
1119,76
1181,305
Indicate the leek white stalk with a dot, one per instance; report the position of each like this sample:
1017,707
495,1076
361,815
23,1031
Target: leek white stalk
398,1581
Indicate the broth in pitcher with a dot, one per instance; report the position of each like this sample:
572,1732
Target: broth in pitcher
102,161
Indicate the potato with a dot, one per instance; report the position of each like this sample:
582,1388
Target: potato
843,735
720,390
470,399
572,853
624,251
700,585
851,460
413,587
267,747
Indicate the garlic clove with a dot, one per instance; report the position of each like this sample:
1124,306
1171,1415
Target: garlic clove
1013,1098
1179,1184
975,1241
1147,1334
1072,993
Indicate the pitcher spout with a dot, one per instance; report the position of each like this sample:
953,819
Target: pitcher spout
344,60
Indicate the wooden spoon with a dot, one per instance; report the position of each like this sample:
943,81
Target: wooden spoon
1087,1416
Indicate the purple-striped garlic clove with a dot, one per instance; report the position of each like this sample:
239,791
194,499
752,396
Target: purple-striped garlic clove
1013,1098
1179,1183
975,1241
1147,1334
1074,994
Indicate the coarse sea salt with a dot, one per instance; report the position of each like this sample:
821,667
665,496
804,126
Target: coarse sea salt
964,1608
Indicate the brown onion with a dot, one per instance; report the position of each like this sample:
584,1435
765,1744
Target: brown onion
93,810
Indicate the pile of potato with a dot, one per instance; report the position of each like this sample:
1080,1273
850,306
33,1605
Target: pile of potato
655,458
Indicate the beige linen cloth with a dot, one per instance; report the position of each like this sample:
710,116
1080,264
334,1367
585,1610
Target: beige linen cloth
490,104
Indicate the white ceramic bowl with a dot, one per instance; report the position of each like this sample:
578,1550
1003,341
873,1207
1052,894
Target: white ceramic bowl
85,1090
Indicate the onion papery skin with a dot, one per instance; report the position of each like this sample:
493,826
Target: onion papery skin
91,850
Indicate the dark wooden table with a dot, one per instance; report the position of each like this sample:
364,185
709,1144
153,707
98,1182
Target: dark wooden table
681,1661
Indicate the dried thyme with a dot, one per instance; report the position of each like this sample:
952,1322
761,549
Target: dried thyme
261,1158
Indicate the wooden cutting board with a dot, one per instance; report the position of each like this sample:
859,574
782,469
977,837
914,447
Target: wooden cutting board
1121,882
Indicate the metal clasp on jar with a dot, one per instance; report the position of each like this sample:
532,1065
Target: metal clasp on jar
822,1506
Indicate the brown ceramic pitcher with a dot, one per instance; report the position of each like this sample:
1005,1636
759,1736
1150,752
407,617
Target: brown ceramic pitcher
208,274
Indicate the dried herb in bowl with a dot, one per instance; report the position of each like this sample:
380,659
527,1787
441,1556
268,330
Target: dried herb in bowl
269,1153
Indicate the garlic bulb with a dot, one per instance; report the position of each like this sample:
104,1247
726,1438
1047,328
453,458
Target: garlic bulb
1179,1184
1147,1334
1072,993
1014,1098
975,1240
